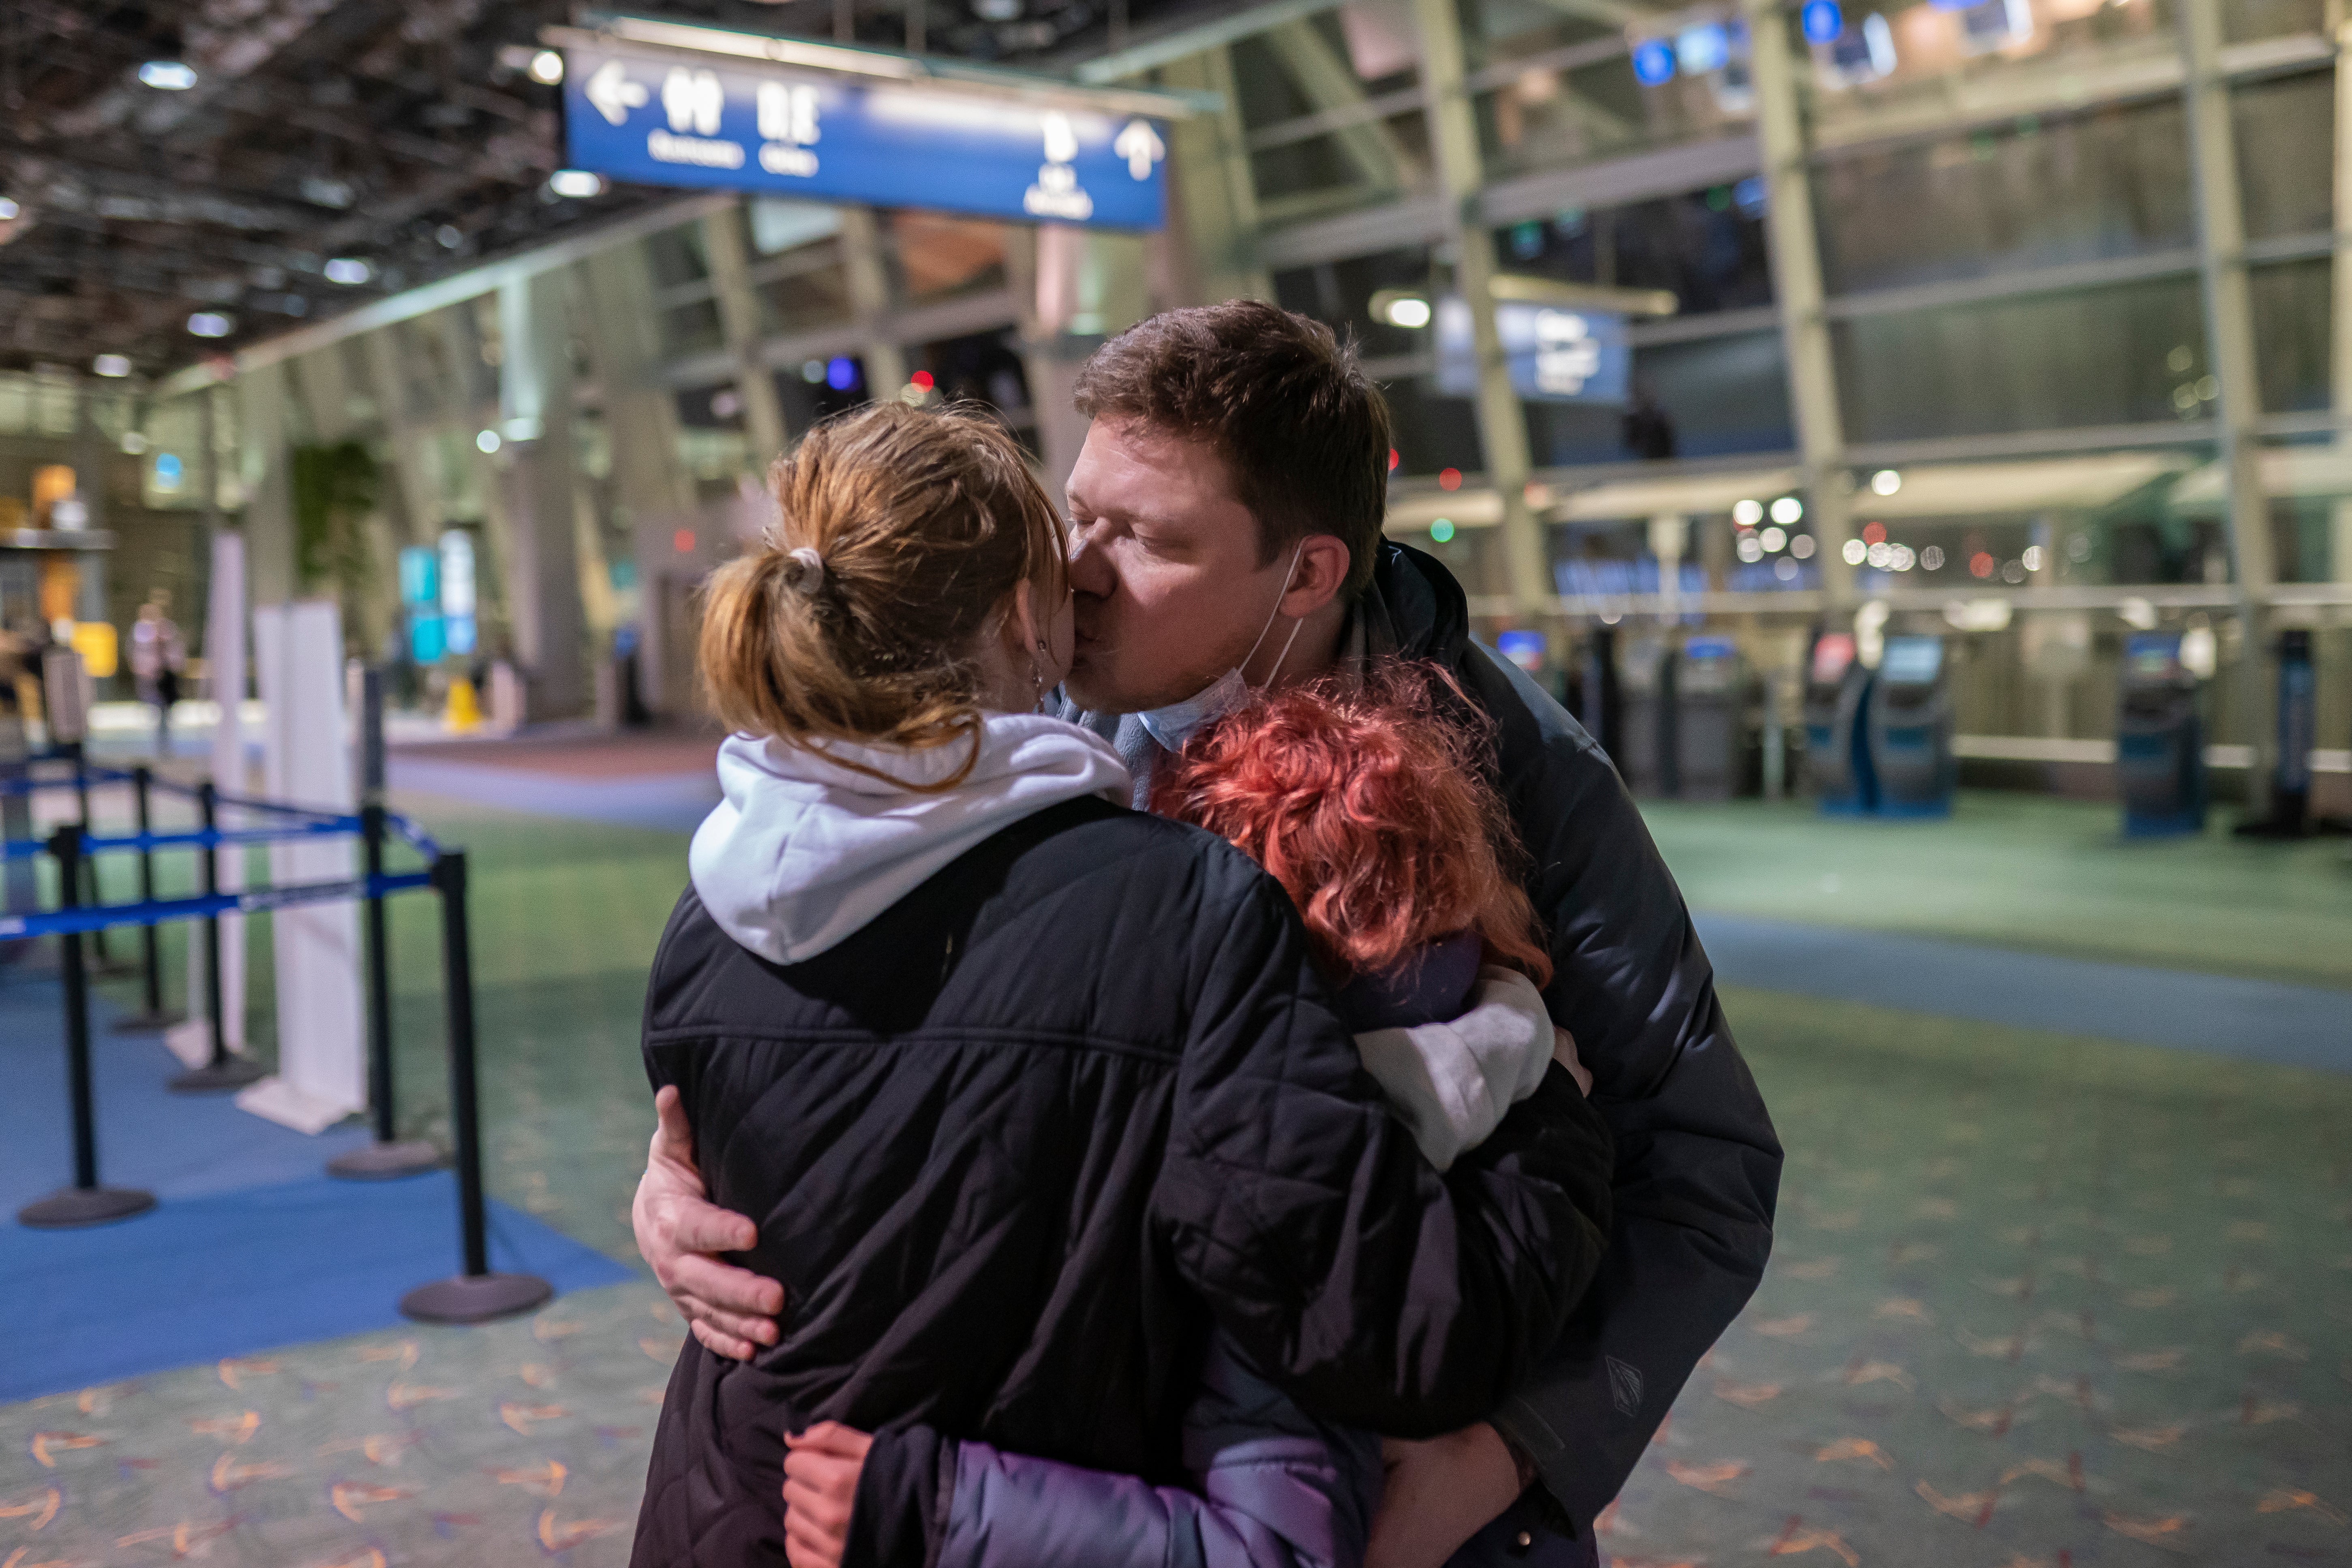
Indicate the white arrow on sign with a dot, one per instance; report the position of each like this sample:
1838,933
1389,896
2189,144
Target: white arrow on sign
611,94
1140,146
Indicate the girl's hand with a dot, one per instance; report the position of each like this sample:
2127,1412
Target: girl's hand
821,1469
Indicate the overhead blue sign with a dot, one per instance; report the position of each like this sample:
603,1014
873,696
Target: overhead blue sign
1555,354
661,119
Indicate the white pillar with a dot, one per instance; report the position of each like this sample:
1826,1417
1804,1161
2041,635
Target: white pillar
542,573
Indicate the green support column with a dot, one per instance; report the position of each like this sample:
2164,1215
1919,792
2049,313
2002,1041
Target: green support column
1795,246
1211,194
872,297
1502,421
2230,349
739,322
269,497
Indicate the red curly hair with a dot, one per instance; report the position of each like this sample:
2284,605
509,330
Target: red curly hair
1370,810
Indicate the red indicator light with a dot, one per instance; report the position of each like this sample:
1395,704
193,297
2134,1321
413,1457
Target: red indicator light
1449,479
683,541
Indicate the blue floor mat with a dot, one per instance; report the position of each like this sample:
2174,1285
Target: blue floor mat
174,1145
251,1245
240,1272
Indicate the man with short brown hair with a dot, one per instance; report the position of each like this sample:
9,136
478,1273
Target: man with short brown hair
1225,524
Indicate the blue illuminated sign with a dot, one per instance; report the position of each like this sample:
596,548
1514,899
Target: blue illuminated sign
662,119
1654,62
1822,20
1702,49
420,577
1554,354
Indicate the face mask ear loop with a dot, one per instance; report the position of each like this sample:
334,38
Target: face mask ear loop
1274,615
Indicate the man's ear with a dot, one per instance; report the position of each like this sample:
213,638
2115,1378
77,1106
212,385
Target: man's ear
1316,581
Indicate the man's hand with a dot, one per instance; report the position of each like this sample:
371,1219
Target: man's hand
821,1469
732,1310
1439,1494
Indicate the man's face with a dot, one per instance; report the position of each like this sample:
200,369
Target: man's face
1164,565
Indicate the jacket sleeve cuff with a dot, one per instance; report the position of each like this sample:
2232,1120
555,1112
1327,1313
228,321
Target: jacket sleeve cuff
899,1513
1536,1445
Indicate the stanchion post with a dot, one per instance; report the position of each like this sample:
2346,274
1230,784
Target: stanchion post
151,1017
85,1203
389,1155
476,1295
223,1071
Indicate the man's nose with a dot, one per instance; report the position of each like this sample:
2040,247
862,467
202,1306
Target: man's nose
1090,569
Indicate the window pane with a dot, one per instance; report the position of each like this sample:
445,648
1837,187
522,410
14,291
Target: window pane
1715,396
2111,183
2102,357
2285,129
1707,248
2293,320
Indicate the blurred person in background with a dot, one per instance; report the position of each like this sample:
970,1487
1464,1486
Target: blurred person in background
158,654
1238,455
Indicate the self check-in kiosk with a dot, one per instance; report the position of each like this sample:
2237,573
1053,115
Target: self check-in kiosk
1646,760
1837,751
2159,742
1711,719
1911,728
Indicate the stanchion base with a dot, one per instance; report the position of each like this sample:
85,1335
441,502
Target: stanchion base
71,1208
475,1297
383,1161
215,1078
148,1023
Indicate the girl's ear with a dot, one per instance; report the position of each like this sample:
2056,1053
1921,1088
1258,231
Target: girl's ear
1024,616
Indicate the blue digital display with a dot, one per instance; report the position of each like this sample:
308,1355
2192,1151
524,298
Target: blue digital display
1654,62
420,576
656,119
1911,661
1822,20
1554,354
1524,648
424,644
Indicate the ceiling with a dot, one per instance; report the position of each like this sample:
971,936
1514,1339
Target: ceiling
404,134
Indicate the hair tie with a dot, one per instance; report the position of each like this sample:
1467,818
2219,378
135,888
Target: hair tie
811,576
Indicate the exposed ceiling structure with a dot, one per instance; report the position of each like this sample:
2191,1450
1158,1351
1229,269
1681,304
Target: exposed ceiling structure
323,152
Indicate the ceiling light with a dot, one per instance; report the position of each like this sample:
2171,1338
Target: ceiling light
1747,513
211,324
349,270
578,184
1411,314
547,66
487,442
111,365
1787,510
9,209
1886,482
168,75
449,235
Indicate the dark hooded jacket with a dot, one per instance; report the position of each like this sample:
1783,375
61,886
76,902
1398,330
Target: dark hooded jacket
1014,1145
1698,1165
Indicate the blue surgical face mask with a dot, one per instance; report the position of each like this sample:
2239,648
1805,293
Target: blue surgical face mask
1179,721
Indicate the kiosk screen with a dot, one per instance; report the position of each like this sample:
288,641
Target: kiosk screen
1911,661
2152,657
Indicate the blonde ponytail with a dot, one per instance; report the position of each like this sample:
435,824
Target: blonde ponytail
901,533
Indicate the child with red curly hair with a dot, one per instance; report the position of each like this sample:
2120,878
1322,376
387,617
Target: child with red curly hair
1374,814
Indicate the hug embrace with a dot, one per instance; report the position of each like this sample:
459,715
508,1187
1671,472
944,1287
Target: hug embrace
1173,1054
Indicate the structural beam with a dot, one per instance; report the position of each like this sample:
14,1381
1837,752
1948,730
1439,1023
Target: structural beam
729,256
1795,246
2229,350
1502,422
1331,82
1212,192
870,300
538,460
2340,315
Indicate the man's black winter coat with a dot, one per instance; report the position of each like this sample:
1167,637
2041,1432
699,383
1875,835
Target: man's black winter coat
1012,1146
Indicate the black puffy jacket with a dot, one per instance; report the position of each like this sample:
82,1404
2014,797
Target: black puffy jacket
1012,1144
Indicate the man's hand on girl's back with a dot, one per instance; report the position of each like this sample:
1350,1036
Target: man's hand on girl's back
680,1231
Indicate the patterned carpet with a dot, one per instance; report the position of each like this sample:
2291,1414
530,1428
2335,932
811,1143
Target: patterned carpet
2037,1299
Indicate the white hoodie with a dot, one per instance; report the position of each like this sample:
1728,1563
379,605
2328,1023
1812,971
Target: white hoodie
802,852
